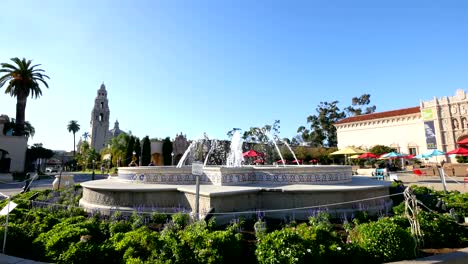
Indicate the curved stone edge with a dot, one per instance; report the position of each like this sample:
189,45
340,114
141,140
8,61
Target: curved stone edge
220,175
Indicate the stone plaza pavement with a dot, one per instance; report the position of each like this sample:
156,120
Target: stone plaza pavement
434,182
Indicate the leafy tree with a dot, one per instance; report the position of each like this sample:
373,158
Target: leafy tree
167,151
146,152
380,149
29,130
85,136
23,80
137,149
257,135
129,151
322,132
37,152
118,146
357,106
73,127
231,132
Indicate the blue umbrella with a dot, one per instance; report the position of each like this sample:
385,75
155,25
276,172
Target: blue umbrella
434,152
421,156
391,155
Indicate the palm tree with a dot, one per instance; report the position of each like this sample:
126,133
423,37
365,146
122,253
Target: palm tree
74,127
23,79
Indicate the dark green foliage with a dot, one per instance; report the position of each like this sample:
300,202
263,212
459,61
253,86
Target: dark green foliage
304,244
322,131
440,230
198,244
360,102
167,151
129,151
380,149
137,149
141,243
72,230
462,159
146,152
36,151
384,241
89,252
17,240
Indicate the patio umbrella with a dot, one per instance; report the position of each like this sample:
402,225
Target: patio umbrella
252,153
280,161
367,155
434,153
458,151
391,155
463,142
258,161
421,156
348,151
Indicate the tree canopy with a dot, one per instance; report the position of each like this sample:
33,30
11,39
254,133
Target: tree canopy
322,131
358,104
23,80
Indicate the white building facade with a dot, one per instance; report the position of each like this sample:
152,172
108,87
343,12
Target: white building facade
435,124
12,150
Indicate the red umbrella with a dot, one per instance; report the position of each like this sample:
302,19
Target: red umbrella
258,161
463,142
367,155
280,161
459,151
409,156
252,153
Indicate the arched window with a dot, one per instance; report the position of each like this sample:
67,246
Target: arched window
101,117
102,105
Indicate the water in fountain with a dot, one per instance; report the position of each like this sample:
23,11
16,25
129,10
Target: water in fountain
184,157
268,135
292,152
235,158
214,143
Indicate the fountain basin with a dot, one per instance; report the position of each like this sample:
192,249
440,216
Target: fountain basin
227,202
225,176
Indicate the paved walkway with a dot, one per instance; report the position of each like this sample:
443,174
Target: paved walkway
5,259
453,183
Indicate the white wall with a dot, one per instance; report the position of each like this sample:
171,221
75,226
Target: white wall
156,147
16,147
399,132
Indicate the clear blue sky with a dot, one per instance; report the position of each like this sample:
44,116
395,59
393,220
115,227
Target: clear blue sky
210,66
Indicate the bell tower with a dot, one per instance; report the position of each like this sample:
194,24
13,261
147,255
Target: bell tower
100,120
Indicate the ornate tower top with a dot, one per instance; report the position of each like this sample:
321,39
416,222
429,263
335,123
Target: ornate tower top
102,92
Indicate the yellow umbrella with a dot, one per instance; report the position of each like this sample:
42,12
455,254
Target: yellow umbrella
355,156
348,151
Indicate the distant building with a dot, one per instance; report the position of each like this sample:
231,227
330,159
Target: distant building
100,134
435,124
12,149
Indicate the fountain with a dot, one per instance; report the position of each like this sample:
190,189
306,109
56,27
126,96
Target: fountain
235,157
236,187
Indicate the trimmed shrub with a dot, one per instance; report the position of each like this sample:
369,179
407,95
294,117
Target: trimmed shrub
301,244
384,241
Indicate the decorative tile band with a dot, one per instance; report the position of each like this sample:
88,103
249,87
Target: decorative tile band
244,175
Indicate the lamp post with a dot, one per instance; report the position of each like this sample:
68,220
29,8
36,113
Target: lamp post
172,158
94,162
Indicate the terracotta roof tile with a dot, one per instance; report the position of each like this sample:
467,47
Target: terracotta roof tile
398,112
